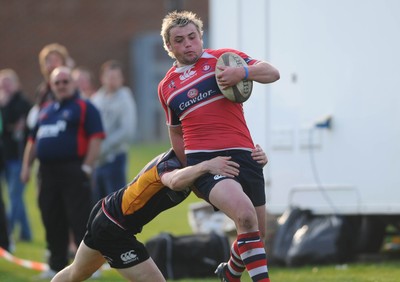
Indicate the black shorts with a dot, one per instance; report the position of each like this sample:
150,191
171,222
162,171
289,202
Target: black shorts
119,247
250,177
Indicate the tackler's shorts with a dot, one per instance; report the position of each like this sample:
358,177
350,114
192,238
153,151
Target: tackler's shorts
119,247
250,177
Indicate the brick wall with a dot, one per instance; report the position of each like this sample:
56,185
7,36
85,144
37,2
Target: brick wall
92,30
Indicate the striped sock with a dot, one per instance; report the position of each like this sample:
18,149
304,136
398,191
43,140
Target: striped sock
235,264
252,252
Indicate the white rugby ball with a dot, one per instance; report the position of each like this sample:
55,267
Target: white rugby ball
240,92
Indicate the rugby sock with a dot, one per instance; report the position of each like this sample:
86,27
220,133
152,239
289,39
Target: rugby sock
235,264
252,251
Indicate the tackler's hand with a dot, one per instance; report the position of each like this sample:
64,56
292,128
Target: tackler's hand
223,166
259,155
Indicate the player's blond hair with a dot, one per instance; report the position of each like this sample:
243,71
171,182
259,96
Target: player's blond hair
180,19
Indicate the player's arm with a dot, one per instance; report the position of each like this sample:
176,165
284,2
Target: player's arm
180,179
176,138
261,72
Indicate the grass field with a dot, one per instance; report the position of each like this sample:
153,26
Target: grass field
175,221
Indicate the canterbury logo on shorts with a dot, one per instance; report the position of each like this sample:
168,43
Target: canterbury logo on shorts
216,177
129,257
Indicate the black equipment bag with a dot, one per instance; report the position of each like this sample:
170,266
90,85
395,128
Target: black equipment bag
292,220
188,256
324,239
304,238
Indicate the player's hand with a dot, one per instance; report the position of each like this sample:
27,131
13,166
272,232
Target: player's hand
259,155
223,166
229,76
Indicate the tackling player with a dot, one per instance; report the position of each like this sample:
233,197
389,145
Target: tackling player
116,218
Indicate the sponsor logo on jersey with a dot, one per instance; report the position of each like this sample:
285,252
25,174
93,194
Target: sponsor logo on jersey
206,68
187,74
192,93
66,114
51,130
172,84
195,99
129,257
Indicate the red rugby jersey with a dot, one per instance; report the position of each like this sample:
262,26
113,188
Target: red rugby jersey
191,98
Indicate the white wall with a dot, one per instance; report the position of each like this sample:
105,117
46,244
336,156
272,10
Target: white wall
335,57
243,25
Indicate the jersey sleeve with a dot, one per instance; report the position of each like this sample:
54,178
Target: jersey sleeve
171,118
168,162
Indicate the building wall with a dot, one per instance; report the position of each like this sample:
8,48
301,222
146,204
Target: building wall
95,31
92,30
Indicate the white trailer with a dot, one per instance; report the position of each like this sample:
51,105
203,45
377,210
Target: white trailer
329,125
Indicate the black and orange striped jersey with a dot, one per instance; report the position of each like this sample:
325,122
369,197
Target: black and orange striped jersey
146,196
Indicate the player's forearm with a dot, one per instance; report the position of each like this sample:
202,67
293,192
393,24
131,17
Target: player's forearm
180,179
263,72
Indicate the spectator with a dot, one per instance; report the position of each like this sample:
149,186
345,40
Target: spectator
66,142
51,56
4,238
84,79
118,113
14,109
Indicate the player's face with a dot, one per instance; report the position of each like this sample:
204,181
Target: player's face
186,44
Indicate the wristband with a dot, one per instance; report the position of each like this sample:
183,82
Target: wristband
246,73
87,169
